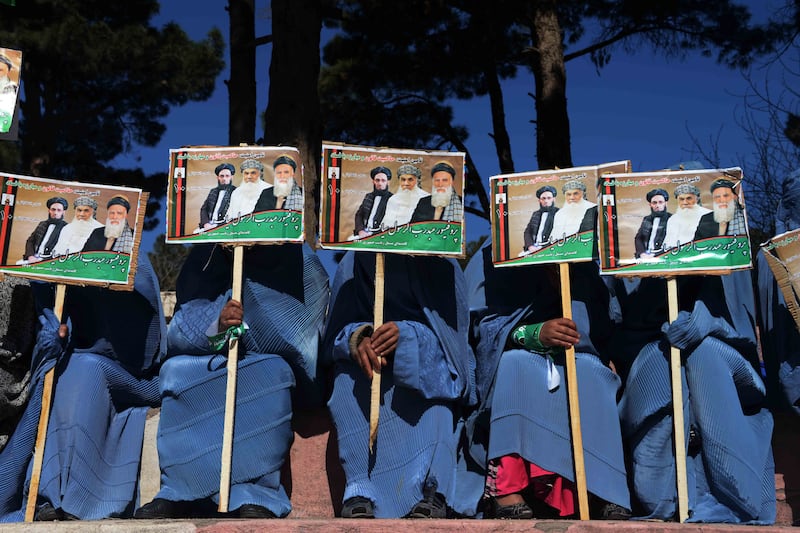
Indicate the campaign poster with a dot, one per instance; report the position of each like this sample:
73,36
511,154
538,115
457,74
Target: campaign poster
782,253
235,194
673,222
69,232
392,200
10,68
546,216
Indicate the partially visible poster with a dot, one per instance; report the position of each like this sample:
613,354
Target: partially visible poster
673,222
69,232
10,68
782,253
546,216
392,200
235,194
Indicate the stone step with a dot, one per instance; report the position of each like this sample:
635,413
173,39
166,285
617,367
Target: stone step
325,525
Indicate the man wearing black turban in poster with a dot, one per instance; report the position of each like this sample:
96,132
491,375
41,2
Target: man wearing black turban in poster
727,217
650,237
285,193
370,213
537,232
213,210
116,235
41,242
443,203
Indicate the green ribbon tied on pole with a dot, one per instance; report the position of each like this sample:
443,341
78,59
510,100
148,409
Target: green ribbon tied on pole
527,336
219,340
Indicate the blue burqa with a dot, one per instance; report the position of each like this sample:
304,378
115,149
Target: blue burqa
424,388
780,339
284,296
730,468
106,378
519,413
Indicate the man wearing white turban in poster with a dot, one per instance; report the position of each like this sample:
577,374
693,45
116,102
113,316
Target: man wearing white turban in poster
577,215
75,234
401,205
249,193
682,226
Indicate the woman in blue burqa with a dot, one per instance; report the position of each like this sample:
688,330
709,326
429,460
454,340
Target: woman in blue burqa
427,379
106,377
728,429
284,298
780,338
521,433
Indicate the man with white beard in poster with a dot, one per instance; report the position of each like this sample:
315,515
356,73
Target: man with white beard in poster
727,218
576,215
681,226
74,236
443,203
247,195
401,205
285,193
116,235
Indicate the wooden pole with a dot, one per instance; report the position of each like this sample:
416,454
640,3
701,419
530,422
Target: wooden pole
230,392
44,418
574,406
375,388
677,409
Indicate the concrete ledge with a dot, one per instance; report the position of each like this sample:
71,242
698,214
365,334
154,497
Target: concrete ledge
380,526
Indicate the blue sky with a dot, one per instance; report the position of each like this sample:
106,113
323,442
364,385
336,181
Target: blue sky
640,107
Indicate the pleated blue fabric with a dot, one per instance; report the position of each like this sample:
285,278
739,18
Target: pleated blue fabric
284,296
730,468
780,339
415,447
780,342
106,379
16,455
424,389
91,463
518,413
191,426
529,420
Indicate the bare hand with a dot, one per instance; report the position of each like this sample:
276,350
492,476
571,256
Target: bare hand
385,339
560,332
373,351
63,331
231,315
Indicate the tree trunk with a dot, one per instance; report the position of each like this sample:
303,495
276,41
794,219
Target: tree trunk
502,141
547,64
293,112
242,84
36,152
